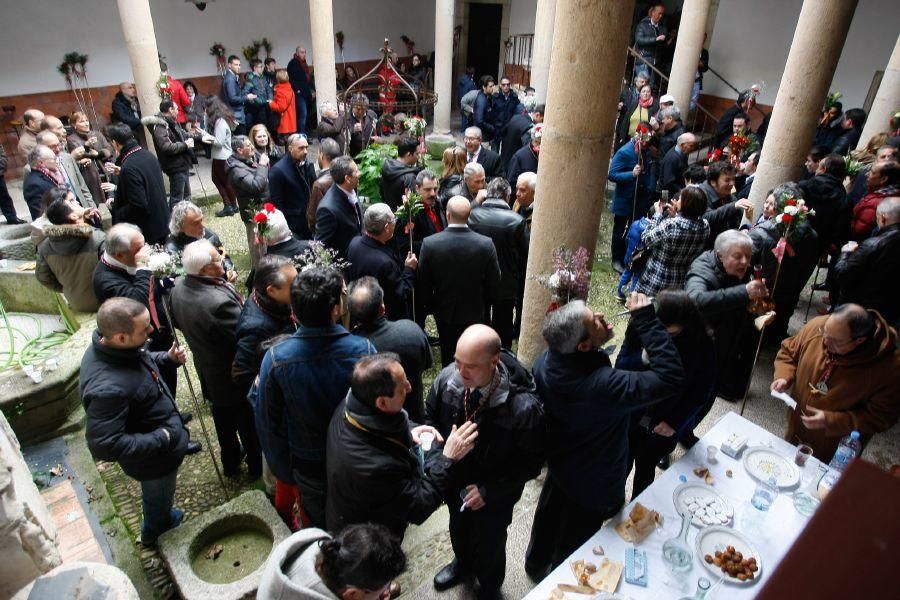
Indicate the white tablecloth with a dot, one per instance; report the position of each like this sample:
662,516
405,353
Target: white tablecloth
781,527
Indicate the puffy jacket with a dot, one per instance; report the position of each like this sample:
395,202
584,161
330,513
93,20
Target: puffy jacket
301,381
66,260
171,149
396,178
128,406
250,182
511,433
588,406
450,186
864,212
261,319
620,172
506,228
867,276
258,85
126,112
373,470
283,102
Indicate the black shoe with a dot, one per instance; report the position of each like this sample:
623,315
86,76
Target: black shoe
194,447
820,287
187,417
225,212
535,573
447,577
14,221
664,462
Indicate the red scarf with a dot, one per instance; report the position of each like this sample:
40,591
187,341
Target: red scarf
645,103
49,174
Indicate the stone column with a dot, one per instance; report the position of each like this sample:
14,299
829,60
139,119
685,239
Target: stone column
687,52
818,40
321,23
544,20
575,153
443,64
887,100
140,40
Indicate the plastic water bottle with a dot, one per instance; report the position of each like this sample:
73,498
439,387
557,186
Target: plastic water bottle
849,448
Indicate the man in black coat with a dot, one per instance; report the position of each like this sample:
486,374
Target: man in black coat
431,219
851,126
126,109
489,387
526,158
675,163
398,175
141,193
651,36
43,176
301,81
824,192
504,104
371,453
866,271
475,152
290,185
339,216
507,230
206,308
174,149
671,128
372,254
458,275
131,414
725,127
588,405
515,134
405,338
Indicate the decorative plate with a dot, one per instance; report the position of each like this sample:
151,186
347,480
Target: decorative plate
713,539
706,505
761,463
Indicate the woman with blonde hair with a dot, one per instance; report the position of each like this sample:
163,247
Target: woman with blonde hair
263,143
283,103
454,159
96,148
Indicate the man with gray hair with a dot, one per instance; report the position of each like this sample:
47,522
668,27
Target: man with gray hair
589,404
186,226
290,184
362,125
476,153
507,230
331,125
524,204
207,309
249,178
339,216
866,270
328,151
372,254
53,135
43,176
671,128
474,180
675,163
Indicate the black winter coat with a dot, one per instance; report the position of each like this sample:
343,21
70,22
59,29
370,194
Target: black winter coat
124,113
449,187
111,282
507,229
261,319
671,172
524,160
511,433
868,275
516,134
170,141
373,473
250,182
290,186
337,221
34,186
645,41
396,178
289,248
141,194
502,110
847,141
669,138
826,195
368,256
128,406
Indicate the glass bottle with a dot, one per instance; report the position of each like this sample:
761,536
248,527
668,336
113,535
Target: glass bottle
703,585
676,552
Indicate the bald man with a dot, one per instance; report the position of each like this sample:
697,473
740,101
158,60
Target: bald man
458,276
489,387
31,125
69,172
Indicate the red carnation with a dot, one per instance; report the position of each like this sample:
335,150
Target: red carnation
270,208
790,202
786,218
260,217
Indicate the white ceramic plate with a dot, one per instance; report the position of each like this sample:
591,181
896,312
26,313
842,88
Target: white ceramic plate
706,501
761,463
711,539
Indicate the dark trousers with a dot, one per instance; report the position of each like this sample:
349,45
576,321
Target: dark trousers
449,334
502,320
161,341
220,180
6,202
300,103
561,526
233,421
618,244
313,491
479,542
179,187
257,115
645,448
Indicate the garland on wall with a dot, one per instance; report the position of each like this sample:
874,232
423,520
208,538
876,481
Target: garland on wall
251,52
218,50
74,69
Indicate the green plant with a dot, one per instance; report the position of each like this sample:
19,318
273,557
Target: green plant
410,207
370,161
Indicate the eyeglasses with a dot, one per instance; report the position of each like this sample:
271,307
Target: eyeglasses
828,338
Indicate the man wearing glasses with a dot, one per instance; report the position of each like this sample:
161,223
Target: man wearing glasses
841,369
504,104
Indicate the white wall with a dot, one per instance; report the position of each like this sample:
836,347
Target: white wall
521,16
751,40
185,34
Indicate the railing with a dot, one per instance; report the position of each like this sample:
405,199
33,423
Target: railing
736,91
517,61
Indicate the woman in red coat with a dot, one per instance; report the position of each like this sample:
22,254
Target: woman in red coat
882,180
283,104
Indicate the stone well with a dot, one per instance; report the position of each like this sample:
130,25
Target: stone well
221,554
437,143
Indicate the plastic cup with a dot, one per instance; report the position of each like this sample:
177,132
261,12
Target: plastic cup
426,439
802,455
711,452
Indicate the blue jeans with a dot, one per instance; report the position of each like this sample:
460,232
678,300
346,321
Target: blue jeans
695,94
179,187
301,113
157,497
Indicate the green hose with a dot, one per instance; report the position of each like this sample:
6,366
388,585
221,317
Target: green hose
36,349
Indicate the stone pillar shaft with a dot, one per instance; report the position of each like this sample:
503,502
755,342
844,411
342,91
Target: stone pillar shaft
687,52
818,40
887,100
321,22
140,40
443,64
575,152
544,21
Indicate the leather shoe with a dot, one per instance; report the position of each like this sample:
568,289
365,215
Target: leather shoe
395,589
187,417
15,221
194,447
226,212
447,577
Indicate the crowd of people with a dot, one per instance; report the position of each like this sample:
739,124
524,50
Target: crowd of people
315,375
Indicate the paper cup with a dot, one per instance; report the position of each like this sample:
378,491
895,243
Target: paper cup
426,439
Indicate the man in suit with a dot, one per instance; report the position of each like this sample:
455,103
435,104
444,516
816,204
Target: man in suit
372,254
526,158
339,216
207,309
458,275
749,174
675,163
232,94
68,171
475,152
328,151
290,185
515,133
431,219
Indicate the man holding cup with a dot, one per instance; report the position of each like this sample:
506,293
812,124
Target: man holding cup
374,452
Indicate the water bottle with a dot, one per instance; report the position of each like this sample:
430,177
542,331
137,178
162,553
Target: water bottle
849,448
765,494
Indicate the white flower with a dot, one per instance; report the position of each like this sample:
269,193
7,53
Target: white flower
553,281
791,210
779,218
801,202
160,262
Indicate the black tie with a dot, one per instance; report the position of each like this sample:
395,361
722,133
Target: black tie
473,399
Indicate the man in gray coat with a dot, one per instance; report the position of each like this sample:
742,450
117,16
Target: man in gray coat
207,309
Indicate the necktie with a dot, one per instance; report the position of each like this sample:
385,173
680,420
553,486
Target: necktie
471,157
472,401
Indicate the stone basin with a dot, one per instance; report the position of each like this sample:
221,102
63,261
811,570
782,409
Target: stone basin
436,144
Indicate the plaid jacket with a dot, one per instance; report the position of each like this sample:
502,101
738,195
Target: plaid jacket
675,243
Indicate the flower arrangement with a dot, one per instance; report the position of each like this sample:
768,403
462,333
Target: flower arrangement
415,126
261,220
162,86
73,65
317,255
831,100
738,144
853,166
571,277
162,264
266,45
790,214
714,155
218,50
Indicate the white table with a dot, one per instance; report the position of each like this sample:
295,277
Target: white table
782,524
